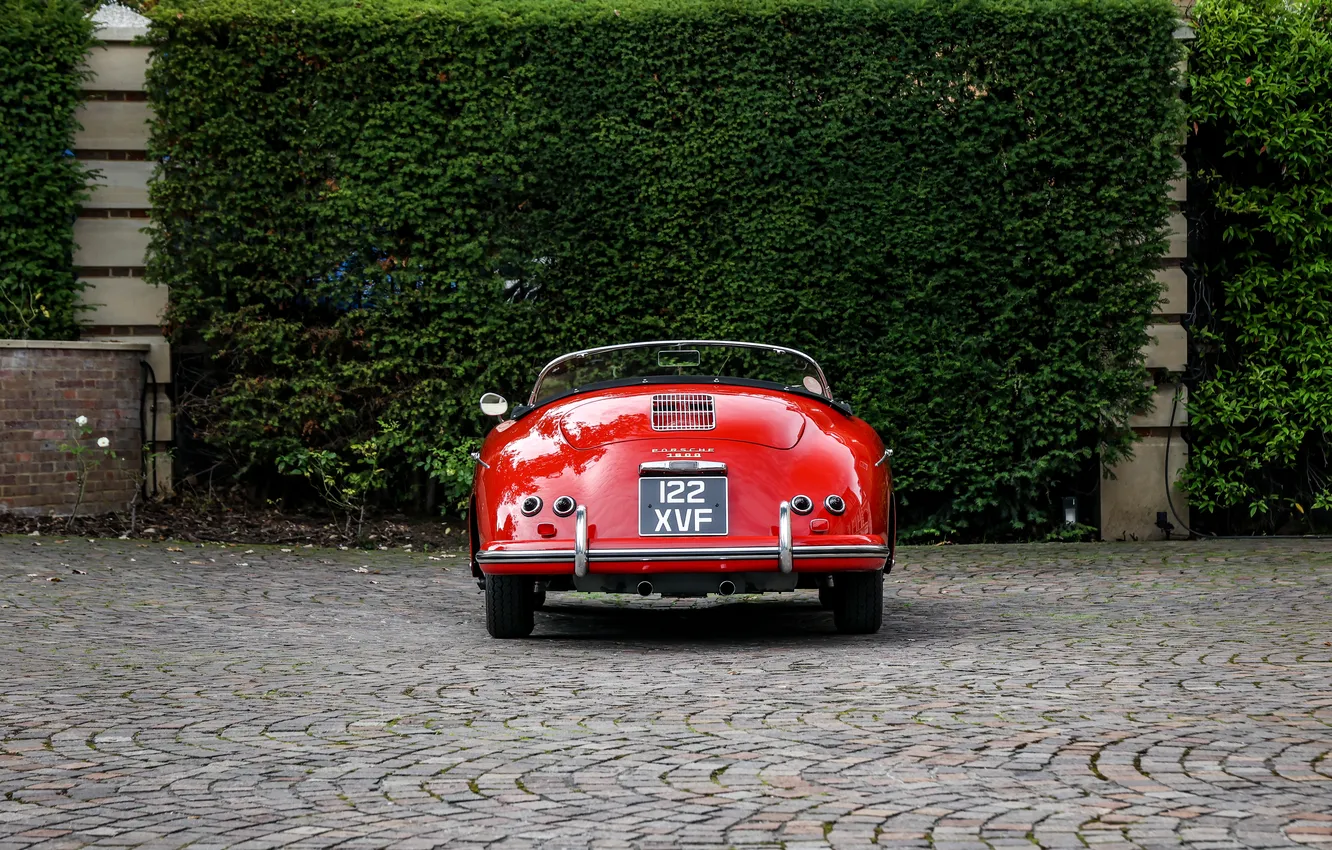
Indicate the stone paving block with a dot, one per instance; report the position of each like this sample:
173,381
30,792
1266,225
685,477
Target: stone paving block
1052,696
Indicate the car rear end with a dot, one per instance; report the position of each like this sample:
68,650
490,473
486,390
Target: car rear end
684,491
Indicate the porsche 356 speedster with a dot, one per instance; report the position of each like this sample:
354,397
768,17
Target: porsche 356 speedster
681,468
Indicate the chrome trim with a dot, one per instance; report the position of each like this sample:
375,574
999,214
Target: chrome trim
532,399
580,554
476,456
785,561
887,453
699,553
681,467
684,412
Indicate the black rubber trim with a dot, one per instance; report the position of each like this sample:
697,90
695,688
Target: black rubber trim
521,410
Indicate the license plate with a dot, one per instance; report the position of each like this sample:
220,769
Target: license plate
676,506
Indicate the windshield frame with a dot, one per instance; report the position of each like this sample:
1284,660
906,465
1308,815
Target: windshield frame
668,343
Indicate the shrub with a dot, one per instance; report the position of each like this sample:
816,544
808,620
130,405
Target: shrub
375,210
1262,100
42,46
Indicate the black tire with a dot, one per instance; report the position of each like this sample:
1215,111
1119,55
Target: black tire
509,606
858,604
828,597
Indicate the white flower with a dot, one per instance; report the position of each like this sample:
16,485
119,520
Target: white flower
81,421
103,442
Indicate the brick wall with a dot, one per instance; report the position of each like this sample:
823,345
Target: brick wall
43,387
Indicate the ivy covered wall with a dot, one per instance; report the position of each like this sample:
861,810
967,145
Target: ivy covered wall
1262,149
371,212
42,48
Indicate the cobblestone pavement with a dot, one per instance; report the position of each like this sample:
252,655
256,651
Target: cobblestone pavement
1059,696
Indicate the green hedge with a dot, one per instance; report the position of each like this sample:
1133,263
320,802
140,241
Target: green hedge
42,45
374,211
1262,97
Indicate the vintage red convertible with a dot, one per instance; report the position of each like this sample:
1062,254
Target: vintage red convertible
683,468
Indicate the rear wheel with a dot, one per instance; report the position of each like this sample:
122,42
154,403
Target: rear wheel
858,603
509,606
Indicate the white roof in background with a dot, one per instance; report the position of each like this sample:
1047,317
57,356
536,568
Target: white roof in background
117,23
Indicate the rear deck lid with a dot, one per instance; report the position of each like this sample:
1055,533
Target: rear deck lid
762,420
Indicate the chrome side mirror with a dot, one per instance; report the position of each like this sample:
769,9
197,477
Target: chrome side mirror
494,404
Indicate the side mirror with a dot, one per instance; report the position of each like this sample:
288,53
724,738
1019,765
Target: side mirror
494,404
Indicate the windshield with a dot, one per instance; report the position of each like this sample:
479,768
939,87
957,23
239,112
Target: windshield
694,359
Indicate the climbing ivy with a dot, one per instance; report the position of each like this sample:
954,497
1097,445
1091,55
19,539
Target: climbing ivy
1262,150
42,47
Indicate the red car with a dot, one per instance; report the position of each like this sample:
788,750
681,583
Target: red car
682,468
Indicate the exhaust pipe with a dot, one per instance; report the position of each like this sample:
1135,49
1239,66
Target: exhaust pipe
726,588
645,588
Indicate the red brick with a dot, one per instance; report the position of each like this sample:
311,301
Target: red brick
41,392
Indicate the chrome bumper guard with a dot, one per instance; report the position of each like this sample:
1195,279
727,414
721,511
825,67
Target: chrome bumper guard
580,541
785,548
785,552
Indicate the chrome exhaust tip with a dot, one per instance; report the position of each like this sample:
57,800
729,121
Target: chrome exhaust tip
726,588
645,588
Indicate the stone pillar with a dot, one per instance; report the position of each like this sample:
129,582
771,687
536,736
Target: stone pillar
1137,491
112,247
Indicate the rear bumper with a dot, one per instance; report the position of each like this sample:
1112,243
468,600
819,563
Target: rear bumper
694,554
782,555
692,559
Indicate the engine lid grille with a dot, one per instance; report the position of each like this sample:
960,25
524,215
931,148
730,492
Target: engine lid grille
683,412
